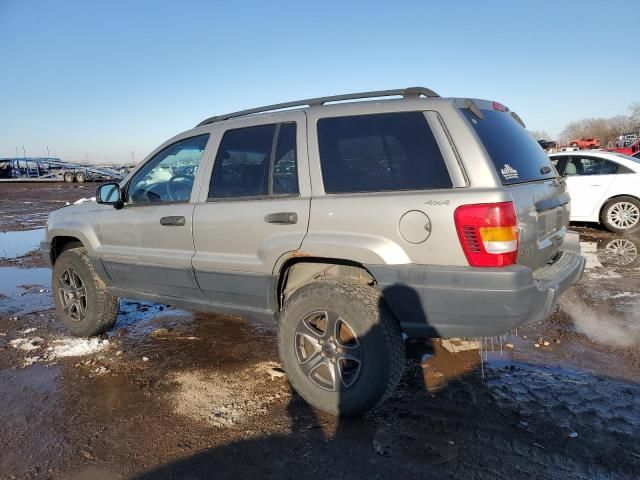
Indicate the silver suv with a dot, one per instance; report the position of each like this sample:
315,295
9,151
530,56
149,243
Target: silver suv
348,221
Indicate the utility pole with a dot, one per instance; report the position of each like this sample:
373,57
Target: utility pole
24,153
132,162
48,154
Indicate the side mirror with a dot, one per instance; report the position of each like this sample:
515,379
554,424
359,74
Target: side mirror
109,194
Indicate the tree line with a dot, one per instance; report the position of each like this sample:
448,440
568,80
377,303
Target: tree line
605,129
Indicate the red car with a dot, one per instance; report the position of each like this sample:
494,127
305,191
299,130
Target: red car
586,143
631,150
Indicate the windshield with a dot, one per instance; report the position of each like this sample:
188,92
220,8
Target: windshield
516,155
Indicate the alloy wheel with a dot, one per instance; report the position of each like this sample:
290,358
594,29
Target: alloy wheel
328,350
73,295
623,215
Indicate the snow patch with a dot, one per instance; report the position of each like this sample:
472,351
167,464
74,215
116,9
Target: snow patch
76,347
27,344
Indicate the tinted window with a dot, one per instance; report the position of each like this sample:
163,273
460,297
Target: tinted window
515,154
609,168
241,167
369,153
583,166
168,176
285,171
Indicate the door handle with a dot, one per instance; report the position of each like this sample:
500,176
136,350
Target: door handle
281,218
173,221
595,185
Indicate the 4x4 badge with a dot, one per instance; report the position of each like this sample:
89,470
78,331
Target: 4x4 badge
508,172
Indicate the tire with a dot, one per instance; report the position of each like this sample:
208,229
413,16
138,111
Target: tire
81,177
621,215
99,310
68,177
378,346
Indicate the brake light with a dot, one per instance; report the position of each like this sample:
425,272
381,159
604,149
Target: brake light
488,233
499,107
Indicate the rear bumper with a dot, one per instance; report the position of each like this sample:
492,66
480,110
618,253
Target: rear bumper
432,301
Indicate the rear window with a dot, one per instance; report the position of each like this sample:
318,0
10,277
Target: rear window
380,152
516,155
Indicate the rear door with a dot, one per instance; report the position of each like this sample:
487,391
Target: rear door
253,209
526,173
588,181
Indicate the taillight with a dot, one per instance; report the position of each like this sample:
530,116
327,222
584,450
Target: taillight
488,233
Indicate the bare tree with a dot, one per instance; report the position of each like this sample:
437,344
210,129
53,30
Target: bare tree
635,112
540,134
605,129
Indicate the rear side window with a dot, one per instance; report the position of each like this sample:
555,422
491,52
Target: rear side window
380,152
515,154
256,162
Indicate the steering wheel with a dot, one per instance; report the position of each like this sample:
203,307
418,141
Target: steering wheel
173,194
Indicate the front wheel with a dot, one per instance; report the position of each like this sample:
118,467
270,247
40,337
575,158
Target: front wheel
80,296
622,215
340,346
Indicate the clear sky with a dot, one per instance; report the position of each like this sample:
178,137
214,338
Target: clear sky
99,80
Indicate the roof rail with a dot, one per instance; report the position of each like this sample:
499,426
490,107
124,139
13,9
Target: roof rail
411,92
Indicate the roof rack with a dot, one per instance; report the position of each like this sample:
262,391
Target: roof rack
411,92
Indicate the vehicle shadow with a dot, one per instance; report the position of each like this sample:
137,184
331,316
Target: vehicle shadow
442,422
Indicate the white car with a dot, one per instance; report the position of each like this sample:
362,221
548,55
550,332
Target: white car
604,187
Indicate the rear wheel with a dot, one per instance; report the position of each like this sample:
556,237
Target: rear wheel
622,215
81,177
340,346
80,296
68,177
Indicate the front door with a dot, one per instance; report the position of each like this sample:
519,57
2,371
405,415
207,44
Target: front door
147,245
255,209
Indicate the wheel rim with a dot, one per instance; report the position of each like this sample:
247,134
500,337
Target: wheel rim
621,251
623,215
73,295
328,351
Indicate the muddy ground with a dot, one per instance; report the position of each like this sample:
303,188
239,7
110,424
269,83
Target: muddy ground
176,394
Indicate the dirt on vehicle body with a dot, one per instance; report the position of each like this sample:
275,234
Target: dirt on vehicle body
347,223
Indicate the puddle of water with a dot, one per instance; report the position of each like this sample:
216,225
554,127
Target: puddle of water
12,278
20,290
16,244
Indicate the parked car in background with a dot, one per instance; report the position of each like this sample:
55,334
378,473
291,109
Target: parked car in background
586,143
604,188
547,144
632,149
626,139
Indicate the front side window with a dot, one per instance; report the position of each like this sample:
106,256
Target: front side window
168,177
256,162
380,152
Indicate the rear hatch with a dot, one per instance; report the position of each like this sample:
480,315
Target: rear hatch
539,196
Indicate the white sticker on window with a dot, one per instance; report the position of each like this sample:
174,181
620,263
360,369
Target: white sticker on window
509,173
